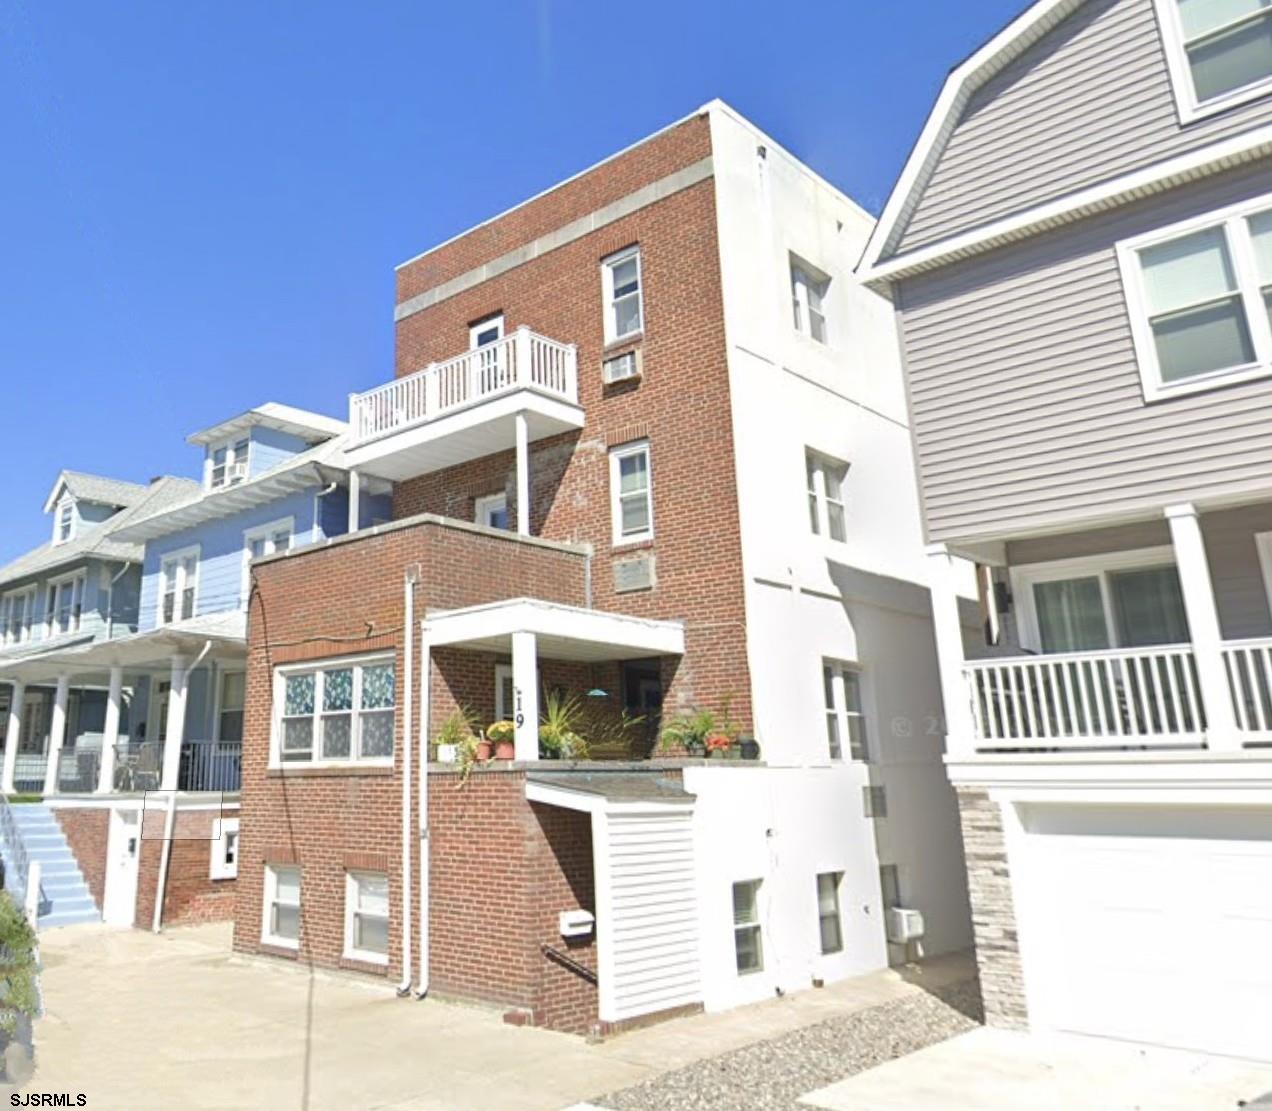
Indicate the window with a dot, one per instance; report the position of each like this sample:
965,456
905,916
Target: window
1199,296
225,851
747,944
874,801
229,464
826,478
64,521
808,293
832,935
280,924
229,720
492,511
178,580
1124,600
336,714
486,332
367,916
845,716
262,541
621,288
17,615
631,493
1219,52
65,605
505,693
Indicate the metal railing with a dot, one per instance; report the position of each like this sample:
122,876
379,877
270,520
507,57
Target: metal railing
22,874
211,766
28,772
138,766
522,360
1120,698
78,770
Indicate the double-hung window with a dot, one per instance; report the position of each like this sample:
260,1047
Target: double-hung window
229,723
178,583
64,521
809,287
845,714
262,541
1219,52
337,713
492,511
280,923
622,294
229,464
748,946
1199,296
17,614
826,480
631,493
65,605
830,925
367,916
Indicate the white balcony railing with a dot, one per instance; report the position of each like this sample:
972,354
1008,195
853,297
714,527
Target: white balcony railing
1121,698
1249,667
522,360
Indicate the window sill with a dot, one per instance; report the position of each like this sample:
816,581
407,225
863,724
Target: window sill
1191,112
642,544
617,346
378,966
1155,391
321,772
279,949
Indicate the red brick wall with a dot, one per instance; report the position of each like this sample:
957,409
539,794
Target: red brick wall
87,830
190,894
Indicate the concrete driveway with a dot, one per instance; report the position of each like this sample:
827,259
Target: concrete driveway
999,1070
141,1021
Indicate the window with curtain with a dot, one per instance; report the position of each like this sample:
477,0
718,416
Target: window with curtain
1071,615
1133,608
1148,607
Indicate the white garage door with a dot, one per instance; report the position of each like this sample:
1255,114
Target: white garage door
1152,924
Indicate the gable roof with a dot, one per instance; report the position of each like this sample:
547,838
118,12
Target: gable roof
312,427
96,489
101,542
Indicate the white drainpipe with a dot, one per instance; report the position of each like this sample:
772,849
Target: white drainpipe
408,652
426,657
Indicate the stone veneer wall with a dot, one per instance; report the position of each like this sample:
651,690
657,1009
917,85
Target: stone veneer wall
993,911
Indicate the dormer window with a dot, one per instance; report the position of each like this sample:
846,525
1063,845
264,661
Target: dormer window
64,521
229,464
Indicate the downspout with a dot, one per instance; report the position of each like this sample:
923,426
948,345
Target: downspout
408,661
315,533
110,600
170,818
426,668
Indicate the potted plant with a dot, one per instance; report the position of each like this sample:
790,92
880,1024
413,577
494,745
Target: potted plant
455,732
503,735
559,724
717,744
703,732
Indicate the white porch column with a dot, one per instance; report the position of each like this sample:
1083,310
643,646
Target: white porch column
525,695
523,475
110,733
948,626
176,725
57,733
1203,624
13,734
355,500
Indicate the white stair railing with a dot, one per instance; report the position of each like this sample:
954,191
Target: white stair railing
25,881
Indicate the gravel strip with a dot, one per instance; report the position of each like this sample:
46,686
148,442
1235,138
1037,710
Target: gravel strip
772,1075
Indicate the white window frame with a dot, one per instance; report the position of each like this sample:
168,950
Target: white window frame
358,664
270,897
232,458
268,533
838,878
225,850
180,585
1263,545
616,455
13,633
803,276
607,294
1188,107
843,715
483,506
816,464
219,706
503,712
77,584
351,952
65,504
1024,577
1241,250
757,925
495,321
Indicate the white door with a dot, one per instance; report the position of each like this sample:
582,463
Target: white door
123,854
1151,924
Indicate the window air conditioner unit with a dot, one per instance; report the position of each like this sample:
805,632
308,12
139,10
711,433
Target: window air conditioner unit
621,368
903,925
236,472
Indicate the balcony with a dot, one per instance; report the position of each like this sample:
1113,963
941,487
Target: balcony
521,388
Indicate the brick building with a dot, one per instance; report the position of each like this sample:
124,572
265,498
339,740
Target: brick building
649,455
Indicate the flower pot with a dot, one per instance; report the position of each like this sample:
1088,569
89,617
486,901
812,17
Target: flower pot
505,750
483,751
715,753
447,754
750,749
733,752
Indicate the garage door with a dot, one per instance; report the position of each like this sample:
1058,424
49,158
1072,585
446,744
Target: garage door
1152,924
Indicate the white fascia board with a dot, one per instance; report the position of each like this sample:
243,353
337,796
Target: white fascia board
54,494
564,798
282,418
1092,777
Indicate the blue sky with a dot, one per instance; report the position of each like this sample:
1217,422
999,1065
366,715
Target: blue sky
201,205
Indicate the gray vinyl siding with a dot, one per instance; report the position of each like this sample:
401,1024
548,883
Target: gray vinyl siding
1026,401
1089,102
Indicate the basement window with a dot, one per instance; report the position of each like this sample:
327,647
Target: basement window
367,917
828,918
280,923
748,945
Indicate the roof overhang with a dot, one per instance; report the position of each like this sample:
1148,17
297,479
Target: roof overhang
562,632
282,418
609,792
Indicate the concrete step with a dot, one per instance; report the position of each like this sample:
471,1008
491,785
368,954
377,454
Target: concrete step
52,921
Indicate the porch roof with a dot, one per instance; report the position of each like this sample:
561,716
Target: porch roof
562,632
586,787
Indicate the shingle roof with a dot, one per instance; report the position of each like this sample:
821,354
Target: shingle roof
100,490
98,542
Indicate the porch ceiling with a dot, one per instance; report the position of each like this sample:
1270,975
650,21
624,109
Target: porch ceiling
561,632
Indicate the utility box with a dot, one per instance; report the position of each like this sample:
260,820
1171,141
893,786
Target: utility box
577,923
